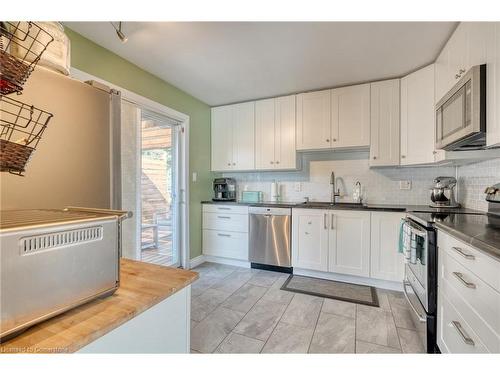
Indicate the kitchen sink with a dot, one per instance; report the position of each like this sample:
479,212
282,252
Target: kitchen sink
330,205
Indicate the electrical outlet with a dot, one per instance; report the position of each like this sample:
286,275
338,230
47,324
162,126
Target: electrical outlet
195,176
298,187
405,185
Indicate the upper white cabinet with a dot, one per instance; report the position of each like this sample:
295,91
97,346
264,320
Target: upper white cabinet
350,116
384,122
233,137
493,85
338,118
417,117
386,262
275,133
314,120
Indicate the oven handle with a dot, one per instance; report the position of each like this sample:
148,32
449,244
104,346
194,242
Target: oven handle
421,318
415,229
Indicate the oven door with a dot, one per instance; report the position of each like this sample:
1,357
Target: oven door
417,272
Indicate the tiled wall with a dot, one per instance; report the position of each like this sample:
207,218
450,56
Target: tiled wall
380,185
473,179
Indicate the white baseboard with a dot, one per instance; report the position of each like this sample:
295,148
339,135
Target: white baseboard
196,261
228,261
383,284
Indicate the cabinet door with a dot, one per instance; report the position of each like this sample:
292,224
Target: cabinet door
493,86
265,134
285,148
310,239
442,74
222,138
313,120
244,136
458,54
386,262
384,123
349,243
351,116
417,117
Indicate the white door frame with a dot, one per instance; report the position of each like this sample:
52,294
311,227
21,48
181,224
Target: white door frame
183,198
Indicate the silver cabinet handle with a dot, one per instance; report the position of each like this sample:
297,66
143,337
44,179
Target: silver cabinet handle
460,277
224,208
224,217
223,235
463,253
331,224
421,318
325,220
462,333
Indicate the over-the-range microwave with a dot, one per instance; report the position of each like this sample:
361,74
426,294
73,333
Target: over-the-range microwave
461,113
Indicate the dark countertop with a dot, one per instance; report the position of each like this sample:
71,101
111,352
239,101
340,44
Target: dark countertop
479,231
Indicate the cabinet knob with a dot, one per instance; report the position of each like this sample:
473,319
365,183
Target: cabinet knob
434,152
374,158
335,139
234,163
327,140
461,71
457,76
229,164
277,162
403,156
272,162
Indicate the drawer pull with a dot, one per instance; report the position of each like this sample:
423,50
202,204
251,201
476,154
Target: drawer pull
460,277
224,217
463,253
224,208
223,235
462,333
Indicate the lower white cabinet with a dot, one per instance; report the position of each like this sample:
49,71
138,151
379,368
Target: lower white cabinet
468,317
349,242
225,231
331,240
310,239
386,262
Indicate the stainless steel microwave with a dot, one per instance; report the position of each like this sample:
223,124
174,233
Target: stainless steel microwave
461,113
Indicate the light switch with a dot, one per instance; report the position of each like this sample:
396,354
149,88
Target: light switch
405,185
195,176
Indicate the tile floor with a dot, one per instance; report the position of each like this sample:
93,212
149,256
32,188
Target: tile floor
241,310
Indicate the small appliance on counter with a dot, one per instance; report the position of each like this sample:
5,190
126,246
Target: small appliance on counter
251,196
224,189
54,260
443,193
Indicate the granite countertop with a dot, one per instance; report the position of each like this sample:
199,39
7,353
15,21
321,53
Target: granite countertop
142,285
479,231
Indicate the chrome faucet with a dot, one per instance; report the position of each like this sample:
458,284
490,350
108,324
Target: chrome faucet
335,193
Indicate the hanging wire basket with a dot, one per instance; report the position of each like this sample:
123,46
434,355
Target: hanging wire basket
21,46
21,127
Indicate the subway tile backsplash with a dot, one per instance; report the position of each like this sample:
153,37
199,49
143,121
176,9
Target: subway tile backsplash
379,185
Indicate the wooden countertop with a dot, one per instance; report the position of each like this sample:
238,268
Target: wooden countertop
142,285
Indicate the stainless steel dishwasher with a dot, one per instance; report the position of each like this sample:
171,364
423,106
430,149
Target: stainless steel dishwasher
269,240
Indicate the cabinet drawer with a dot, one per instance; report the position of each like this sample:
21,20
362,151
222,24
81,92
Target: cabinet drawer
454,334
225,222
225,244
477,302
225,208
482,265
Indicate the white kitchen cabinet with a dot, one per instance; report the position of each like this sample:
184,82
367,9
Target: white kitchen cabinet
310,233
275,133
350,108
417,117
233,137
493,85
314,120
386,263
384,123
349,242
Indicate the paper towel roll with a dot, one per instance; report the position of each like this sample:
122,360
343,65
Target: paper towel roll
274,192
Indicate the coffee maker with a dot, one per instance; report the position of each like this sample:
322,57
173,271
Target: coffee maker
443,193
224,189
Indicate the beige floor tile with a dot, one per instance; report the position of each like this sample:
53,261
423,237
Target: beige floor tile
244,298
209,333
333,334
337,307
261,320
235,343
410,341
288,338
369,348
376,325
303,310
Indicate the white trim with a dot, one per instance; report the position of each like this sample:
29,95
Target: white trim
196,261
228,261
184,144
383,284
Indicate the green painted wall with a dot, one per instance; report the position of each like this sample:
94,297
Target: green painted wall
100,62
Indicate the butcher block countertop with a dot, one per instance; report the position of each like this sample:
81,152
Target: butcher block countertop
142,285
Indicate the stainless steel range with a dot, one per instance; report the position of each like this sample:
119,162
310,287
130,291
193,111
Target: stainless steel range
54,260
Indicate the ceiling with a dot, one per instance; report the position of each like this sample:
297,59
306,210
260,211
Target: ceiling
227,62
